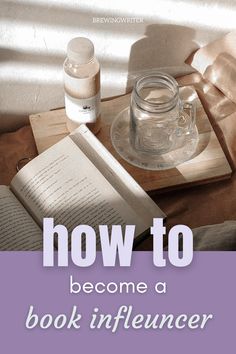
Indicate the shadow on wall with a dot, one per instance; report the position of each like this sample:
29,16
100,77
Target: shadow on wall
46,28
162,46
49,59
35,34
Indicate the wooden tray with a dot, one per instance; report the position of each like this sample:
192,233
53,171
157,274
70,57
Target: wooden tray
208,164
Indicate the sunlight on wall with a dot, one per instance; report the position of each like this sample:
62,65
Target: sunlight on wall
220,14
34,35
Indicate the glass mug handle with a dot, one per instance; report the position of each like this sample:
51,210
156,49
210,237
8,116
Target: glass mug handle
187,117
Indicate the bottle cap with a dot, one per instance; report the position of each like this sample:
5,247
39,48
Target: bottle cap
80,50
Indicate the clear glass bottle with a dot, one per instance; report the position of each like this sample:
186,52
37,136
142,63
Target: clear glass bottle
82,85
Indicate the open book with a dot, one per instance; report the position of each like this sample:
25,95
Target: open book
76,181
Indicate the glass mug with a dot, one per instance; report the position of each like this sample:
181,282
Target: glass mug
159,119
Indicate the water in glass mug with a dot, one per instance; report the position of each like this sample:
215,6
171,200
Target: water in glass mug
157,115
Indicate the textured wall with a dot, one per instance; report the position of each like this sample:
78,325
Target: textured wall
34,34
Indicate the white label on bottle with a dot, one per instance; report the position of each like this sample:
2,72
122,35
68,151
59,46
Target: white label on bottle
83,110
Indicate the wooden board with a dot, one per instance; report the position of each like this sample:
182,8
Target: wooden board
208,164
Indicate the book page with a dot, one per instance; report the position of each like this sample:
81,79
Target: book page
120,179
63,183
18,231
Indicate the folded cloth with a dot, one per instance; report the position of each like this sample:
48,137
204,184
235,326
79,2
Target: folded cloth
220,110
219,237
217,63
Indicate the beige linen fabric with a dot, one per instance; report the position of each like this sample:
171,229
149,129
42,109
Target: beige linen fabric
221,112
217,63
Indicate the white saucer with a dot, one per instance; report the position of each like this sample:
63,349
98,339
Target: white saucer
184,150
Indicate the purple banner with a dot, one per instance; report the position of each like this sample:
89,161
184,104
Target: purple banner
192,310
